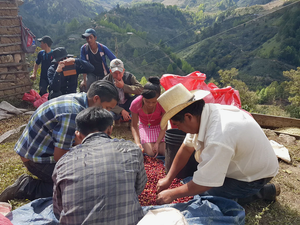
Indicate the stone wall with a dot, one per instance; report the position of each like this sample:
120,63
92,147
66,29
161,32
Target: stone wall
14,74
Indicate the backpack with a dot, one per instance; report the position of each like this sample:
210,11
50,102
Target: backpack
86,48
85,52
28,39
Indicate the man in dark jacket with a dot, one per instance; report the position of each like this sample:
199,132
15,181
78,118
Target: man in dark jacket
62,83
128,88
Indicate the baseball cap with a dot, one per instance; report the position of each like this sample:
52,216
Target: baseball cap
46,39
116,65
88,32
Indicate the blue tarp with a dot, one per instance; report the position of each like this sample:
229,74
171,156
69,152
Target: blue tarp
201,210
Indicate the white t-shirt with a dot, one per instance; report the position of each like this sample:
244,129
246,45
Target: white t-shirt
230,144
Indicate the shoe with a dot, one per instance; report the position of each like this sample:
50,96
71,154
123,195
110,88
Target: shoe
270,191
11,191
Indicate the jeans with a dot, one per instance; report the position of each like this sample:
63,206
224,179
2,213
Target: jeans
125,106
37,188
243,192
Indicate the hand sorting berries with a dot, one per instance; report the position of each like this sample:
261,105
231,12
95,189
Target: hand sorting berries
155,170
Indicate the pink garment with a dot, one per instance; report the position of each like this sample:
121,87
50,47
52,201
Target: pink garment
149,135
4,220
153,118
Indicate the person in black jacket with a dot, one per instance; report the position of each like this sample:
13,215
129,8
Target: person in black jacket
60,84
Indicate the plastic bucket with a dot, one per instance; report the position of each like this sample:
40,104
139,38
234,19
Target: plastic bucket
173,139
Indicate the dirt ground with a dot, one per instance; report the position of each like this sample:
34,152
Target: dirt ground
286,210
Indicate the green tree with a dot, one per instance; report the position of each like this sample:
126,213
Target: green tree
248,98
143,80
293,85
135,53
170,68
144,63
73,25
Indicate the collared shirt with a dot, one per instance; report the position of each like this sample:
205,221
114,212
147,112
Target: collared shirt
98,182
52,125
231,144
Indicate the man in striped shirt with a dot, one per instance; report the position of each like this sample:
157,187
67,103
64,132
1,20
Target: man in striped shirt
98,182
49,134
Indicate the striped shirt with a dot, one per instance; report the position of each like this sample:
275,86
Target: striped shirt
52,125
98,182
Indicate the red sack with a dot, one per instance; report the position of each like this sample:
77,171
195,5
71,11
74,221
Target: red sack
35,98
225,96
31,96
41,100
193,81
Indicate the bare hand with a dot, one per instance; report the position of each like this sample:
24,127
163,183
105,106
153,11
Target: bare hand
119,83
163,184
155,149
83,85
164,197
141,147
60,66
33,77
125,115
69,60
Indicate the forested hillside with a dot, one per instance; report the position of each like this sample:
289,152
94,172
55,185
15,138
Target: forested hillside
260,45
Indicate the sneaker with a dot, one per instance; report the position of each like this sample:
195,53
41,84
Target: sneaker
11,191
270,191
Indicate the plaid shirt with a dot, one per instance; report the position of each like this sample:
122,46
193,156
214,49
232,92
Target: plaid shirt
51,125
98,182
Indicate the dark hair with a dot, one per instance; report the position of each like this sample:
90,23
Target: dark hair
93,119
195,109
151,88
105,89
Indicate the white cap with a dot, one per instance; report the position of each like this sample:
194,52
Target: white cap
116,65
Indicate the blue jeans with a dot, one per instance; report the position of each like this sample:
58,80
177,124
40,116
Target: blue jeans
37,188
241,191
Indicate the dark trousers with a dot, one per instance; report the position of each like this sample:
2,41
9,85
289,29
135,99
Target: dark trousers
241,191
43,86
37,188
125,106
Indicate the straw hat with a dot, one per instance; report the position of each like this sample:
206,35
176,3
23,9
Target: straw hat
176,99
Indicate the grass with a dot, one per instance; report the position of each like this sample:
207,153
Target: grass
286,210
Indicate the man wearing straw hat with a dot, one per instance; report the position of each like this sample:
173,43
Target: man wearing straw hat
236,160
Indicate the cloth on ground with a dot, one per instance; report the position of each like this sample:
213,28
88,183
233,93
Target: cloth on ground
200,210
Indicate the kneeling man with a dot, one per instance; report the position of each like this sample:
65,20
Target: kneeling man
98,182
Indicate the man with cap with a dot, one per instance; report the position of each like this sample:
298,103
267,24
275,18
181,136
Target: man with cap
236,159
49,134
61,83
128,87
44,57
94,52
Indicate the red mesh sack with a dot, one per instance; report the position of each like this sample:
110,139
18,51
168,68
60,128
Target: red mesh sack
32,96
41,100
225,96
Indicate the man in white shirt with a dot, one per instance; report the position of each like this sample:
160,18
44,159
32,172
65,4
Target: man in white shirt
236,160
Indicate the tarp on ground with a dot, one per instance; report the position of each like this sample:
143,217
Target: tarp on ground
201,210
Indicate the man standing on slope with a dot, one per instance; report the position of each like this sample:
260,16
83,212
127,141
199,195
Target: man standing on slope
45,57
94,52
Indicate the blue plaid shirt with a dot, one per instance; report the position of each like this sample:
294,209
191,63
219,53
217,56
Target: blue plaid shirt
51,125
98,182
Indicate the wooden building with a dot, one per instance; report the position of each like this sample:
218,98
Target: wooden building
14,74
